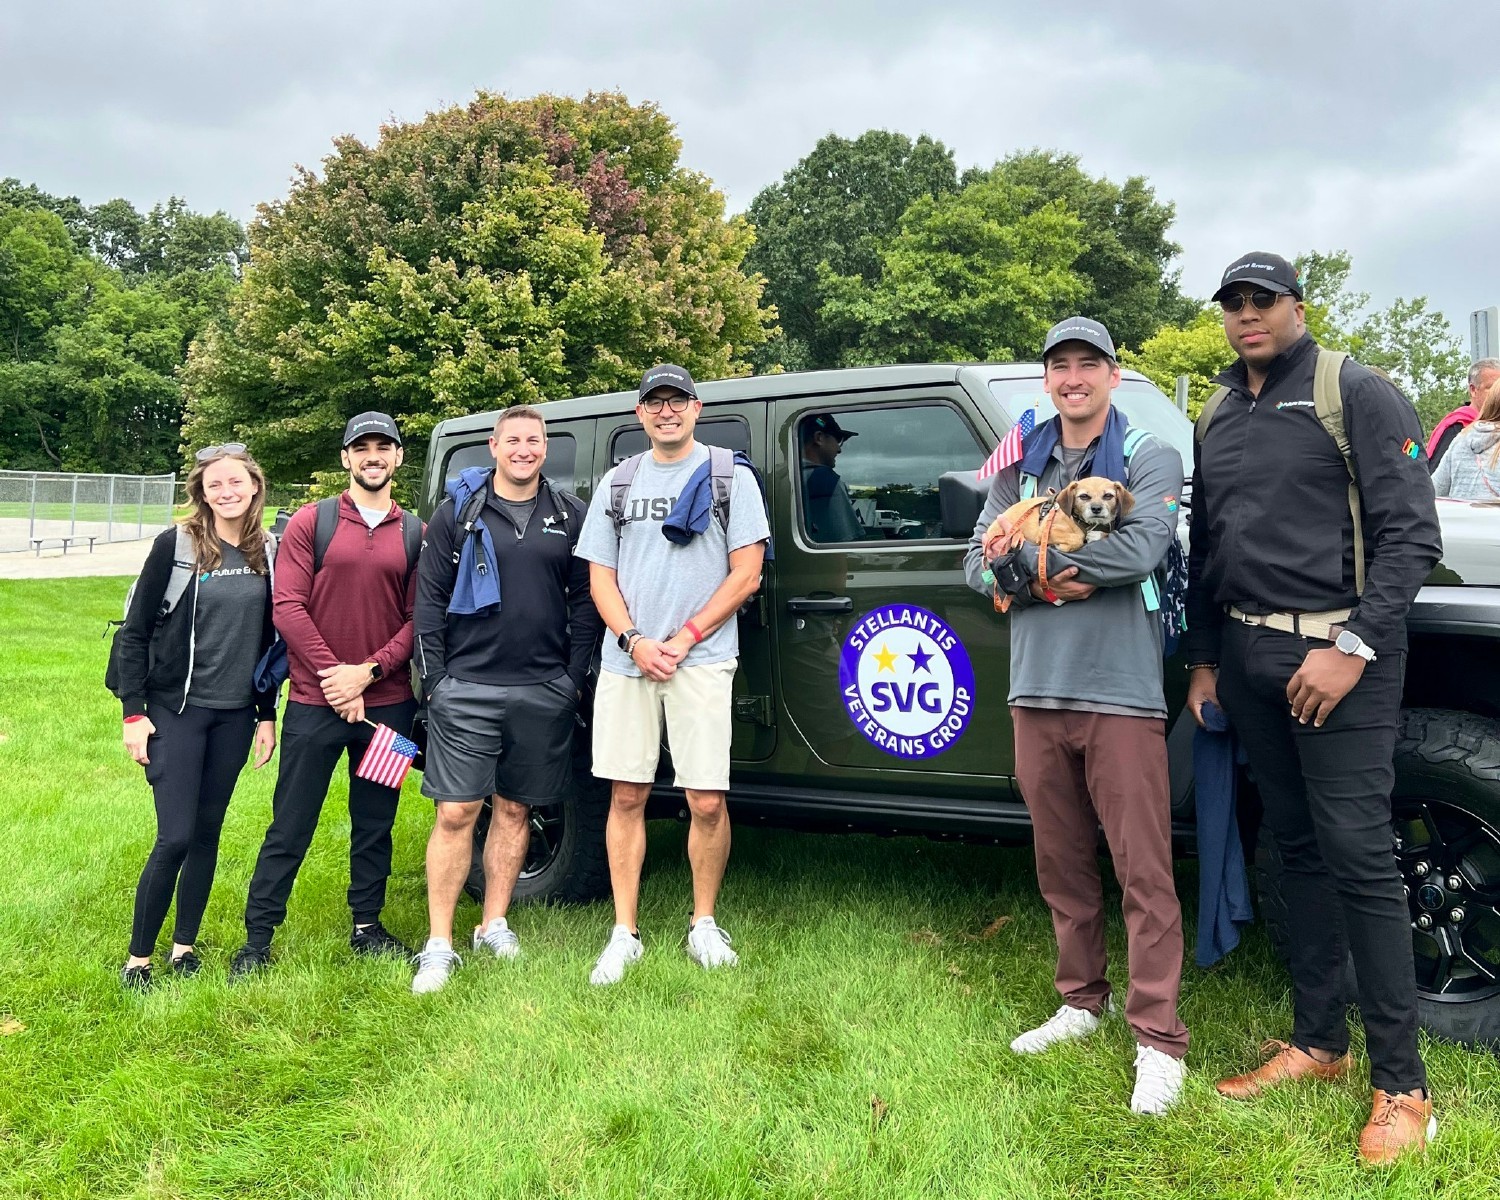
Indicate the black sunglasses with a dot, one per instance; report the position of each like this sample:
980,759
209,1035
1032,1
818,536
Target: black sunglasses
678,403
233,449
1263,299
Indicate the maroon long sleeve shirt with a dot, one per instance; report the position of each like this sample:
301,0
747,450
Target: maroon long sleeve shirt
356,609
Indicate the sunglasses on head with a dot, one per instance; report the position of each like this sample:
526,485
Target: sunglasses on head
678,403
1262,298
233,449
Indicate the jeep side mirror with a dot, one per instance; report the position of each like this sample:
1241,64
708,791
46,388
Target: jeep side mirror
961,499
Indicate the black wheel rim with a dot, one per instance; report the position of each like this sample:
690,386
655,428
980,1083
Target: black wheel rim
1450,865
546,841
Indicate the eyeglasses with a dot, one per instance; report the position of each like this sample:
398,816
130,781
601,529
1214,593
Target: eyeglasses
1263,299
229,448
678,403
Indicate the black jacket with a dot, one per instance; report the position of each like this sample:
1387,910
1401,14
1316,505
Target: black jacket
155,660
546,624
1270,526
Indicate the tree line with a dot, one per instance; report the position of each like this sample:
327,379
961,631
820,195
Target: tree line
514,251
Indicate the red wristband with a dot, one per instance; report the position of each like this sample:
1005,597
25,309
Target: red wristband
1050,595
135,717
692,629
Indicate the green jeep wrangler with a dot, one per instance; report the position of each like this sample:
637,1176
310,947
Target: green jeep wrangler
871,693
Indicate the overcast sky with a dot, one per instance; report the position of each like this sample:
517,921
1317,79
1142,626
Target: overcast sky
1370,127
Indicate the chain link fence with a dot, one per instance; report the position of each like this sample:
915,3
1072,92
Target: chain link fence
46,509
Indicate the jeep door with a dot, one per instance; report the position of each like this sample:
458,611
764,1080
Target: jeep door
891,672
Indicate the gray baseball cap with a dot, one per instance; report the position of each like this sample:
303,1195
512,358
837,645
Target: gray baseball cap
1079,329
371,424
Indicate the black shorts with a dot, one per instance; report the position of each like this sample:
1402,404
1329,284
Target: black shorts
515,742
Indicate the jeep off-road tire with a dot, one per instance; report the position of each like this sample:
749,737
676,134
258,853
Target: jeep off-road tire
1446,824
567,862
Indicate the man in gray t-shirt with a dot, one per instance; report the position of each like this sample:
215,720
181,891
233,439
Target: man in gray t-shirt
669,657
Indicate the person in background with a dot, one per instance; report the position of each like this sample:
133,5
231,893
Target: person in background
1483,375
1471,468
831,516
186,685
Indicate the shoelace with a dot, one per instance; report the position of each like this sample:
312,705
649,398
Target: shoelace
438,954
1388,1107
495,938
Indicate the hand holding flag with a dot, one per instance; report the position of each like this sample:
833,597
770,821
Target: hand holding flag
388,758
1010,447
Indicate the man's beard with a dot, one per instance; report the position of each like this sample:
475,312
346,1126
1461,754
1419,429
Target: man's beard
359,478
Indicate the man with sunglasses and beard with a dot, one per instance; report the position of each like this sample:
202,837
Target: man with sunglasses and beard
346,615
1309,668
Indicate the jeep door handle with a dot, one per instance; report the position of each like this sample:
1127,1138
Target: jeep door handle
820,604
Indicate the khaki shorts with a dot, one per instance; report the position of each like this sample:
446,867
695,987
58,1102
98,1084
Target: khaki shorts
697,704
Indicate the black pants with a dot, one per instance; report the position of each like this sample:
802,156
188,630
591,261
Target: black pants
1327,796
312,739
196,757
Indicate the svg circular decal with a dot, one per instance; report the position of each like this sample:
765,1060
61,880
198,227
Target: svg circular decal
906,681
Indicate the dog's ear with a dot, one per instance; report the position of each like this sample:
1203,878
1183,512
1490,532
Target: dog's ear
1124,503
1068,497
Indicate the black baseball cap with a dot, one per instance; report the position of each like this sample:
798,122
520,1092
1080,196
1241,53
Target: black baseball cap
368,423
826,424
1263,269
668,375
1079,329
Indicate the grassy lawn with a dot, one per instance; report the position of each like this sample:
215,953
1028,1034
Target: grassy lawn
859,1051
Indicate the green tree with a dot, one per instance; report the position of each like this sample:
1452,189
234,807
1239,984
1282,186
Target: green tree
838,207
1127,260
496,253
1197,349
979,275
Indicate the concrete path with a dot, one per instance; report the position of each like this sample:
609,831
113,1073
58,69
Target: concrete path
108,558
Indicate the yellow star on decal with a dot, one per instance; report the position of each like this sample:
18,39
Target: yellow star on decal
886,659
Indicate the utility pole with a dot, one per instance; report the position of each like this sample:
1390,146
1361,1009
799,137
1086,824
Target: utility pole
1484,333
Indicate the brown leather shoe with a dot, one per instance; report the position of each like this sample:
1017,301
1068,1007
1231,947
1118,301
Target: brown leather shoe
1398,1123
1287,1064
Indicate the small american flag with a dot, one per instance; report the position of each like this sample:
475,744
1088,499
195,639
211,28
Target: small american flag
388,758
1009,449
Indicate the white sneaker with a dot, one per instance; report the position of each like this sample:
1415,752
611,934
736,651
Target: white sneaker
435,962
708,945
1158,1081
498,938
1067,1024
622,949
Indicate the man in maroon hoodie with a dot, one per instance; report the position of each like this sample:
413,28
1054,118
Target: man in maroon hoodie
345,590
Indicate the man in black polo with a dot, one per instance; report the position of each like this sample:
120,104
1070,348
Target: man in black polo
1309,668
505,631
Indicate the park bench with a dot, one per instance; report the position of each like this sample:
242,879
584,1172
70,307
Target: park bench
38,542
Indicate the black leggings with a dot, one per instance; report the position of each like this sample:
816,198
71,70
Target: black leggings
196,757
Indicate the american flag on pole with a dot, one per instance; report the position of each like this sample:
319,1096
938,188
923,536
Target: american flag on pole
1009,449
388,758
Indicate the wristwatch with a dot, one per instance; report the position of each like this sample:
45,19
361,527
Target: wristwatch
624,638
376,672
1349,642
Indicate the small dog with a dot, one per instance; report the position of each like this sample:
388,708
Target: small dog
1086,510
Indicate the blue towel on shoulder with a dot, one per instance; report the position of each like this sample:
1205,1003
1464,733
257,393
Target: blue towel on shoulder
1107,460
1223,887
476,588
694,508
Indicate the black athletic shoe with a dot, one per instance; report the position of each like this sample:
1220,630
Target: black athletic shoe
186,963
375,939
248,958
136,979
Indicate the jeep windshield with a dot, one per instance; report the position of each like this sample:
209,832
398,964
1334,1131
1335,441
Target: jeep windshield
1143,405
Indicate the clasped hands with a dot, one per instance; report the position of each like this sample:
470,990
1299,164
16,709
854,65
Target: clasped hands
344,689
1002,538
659,661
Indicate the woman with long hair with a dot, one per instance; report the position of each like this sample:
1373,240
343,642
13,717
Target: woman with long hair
1470,470
185,676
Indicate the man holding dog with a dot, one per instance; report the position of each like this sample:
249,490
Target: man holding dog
1087,702
1310,666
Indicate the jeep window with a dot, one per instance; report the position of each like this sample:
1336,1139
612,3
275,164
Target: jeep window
883,486
1143,405
560,467
732,433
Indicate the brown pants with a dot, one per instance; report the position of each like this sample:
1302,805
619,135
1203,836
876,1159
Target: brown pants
1077,771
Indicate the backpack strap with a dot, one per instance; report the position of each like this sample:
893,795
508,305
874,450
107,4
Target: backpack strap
1028,486
1328,403
184,566
563,503
619,489
411,538
1134,436
721,479
1210,406
328,521
465,517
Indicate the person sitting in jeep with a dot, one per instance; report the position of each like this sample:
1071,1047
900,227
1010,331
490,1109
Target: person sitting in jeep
831,516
